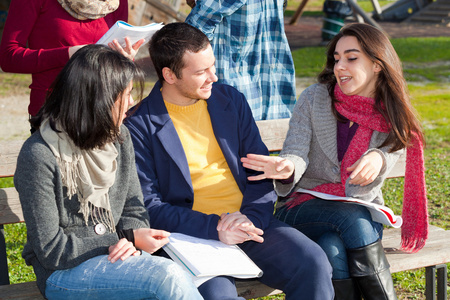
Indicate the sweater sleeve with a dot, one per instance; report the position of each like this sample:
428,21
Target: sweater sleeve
47,212
258,196
14,54
24,16
298,139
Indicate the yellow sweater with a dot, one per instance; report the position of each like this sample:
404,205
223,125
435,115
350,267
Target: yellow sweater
215,190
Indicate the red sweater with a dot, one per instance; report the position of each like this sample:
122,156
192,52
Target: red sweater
49,31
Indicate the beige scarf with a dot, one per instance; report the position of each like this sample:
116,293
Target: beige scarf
89,9
89,174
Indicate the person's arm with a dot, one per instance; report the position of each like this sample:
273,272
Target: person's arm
296,147
38,181
172,215
14,54
134,215
258,196
207,14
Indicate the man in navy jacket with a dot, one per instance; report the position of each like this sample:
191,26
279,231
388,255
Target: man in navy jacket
189,135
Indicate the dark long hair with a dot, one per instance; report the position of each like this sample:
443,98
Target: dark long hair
82,96
169,44
390,89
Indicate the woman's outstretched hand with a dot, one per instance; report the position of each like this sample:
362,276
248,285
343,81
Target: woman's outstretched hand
366,169
273,167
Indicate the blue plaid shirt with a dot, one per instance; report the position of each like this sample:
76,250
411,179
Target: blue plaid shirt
252,52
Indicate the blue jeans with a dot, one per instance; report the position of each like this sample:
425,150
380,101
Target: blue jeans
140,277
290,261
335,226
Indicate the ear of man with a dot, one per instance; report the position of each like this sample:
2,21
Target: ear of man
169,75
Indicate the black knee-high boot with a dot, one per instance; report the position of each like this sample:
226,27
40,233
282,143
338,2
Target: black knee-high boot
345,289
369,268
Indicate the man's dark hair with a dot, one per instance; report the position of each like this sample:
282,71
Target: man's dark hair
82,97
169,44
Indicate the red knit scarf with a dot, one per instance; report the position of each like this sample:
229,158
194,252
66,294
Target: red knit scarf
361,110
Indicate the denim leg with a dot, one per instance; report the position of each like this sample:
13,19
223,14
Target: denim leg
351,223
140,277
291,262
334,248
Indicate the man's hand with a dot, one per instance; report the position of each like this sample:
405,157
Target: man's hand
236,228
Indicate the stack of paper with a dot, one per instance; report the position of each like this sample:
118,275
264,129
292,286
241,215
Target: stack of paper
121,29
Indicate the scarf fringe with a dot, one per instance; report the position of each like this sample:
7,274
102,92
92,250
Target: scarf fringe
69,174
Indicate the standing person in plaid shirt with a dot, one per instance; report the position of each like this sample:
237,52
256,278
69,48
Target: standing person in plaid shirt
252,51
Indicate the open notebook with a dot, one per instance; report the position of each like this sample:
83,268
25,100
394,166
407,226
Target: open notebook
205,259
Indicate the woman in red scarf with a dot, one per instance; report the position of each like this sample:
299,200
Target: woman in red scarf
346,133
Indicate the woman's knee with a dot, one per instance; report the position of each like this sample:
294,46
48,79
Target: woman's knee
169,280
334,248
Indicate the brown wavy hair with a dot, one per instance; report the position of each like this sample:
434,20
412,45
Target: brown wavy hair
390,89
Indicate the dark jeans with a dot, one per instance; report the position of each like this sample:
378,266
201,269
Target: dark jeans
290,261
335,226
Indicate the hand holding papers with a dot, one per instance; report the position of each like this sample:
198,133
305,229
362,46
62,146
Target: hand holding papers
205,259
121,29
380,213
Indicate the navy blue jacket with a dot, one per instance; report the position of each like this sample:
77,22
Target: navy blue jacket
164,172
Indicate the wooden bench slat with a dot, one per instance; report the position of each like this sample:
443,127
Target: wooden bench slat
10,208
273,133
8,157
20,291
435,252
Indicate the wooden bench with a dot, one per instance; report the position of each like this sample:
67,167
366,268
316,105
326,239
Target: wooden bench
433,256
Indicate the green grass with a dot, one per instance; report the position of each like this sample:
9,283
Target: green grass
430,94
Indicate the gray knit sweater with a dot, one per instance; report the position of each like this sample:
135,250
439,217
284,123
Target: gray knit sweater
57,237
311,144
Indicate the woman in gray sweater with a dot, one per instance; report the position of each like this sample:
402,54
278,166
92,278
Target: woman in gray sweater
88,234
345,135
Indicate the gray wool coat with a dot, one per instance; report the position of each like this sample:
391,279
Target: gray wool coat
311,144
57,237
